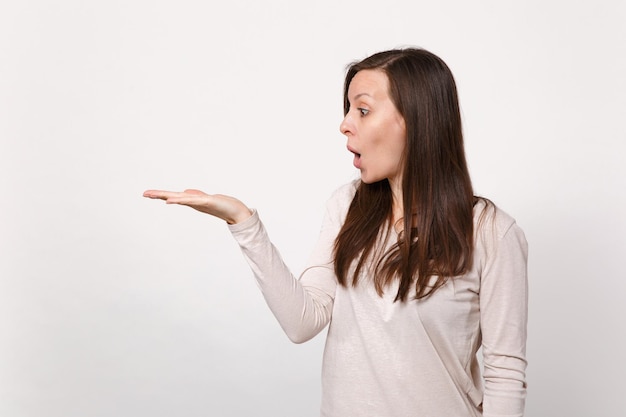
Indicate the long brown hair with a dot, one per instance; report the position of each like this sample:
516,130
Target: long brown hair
437,234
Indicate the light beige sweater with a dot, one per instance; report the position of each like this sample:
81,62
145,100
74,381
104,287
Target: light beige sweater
414,358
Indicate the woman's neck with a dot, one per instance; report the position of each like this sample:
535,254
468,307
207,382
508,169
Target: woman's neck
397,206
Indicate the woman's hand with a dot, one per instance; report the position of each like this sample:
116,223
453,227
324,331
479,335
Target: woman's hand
222,206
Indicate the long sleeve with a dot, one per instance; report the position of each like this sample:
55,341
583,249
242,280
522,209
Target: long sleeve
503,317
302,306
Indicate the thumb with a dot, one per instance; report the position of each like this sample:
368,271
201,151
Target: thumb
193,191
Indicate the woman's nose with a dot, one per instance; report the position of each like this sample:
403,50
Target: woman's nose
344,126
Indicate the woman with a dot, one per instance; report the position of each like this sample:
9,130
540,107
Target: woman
415,272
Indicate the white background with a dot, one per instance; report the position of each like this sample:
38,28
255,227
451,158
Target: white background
115,305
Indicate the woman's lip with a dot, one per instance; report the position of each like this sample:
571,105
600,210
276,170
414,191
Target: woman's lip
357,157
352,150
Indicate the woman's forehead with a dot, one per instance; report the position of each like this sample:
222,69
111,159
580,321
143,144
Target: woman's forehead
372,83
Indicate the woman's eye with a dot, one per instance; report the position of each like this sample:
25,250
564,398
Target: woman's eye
363,111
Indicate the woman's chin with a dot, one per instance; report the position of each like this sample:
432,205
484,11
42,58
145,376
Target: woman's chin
369,179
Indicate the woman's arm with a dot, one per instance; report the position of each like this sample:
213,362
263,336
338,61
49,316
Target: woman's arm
504,310
302,306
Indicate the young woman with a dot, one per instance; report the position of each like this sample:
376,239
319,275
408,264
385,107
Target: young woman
413,272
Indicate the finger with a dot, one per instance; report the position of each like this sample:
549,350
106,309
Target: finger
187,200
159,194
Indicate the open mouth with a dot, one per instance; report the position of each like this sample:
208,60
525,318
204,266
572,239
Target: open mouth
357,160
354,152
357,157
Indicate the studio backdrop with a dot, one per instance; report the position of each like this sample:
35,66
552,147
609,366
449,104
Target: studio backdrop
115,305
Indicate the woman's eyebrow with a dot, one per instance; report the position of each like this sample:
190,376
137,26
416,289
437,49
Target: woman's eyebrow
361,95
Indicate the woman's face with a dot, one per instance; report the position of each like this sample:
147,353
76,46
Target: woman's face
375,129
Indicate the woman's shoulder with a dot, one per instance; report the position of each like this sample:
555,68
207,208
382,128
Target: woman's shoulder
488,217
340,199
497,236
345,191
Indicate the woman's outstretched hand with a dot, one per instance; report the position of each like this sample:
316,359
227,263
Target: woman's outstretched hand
222,206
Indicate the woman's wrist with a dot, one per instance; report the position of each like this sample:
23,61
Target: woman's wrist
240,216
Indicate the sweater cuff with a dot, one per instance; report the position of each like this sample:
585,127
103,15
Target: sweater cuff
246,224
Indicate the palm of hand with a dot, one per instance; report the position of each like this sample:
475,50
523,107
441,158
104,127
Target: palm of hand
225,207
